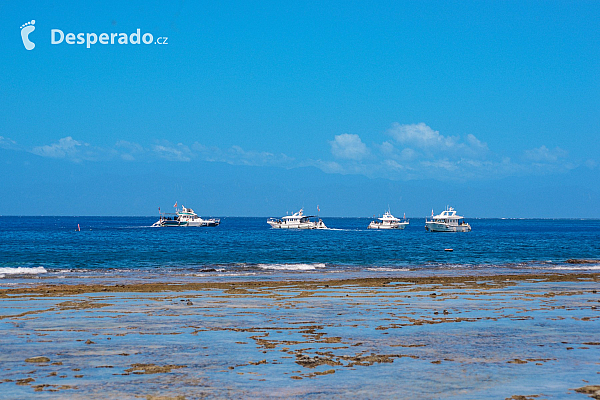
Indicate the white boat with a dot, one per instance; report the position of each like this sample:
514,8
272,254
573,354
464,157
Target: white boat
184,217
296,221
447,221
388,221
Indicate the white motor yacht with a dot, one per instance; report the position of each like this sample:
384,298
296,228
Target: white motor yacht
296,221
388,221
447,221
184,217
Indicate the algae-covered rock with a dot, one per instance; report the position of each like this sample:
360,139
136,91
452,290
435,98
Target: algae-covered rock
591,390
37,360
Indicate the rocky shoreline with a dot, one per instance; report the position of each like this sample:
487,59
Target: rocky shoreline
504,336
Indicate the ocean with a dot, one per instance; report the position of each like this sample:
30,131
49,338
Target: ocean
127,249
122,310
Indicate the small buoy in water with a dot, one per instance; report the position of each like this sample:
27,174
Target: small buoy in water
448,249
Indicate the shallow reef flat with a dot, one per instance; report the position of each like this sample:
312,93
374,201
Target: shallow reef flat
504,336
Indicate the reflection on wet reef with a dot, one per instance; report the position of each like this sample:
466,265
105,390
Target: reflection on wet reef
517,337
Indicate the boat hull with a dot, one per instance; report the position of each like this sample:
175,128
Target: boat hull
303,225
168,224
399,225
196,223
443,227
204,222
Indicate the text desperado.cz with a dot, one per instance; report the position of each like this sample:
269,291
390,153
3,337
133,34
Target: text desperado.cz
57,37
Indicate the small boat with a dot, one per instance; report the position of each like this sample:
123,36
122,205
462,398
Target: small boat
388,221
447,221
184,217
296,221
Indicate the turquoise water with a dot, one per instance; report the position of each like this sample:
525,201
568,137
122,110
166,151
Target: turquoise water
51,248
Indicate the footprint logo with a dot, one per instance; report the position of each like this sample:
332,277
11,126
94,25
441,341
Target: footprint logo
26,29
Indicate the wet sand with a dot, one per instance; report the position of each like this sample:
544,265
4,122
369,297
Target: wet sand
505,336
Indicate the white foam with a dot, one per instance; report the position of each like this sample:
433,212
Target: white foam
22,271
591,267
241,273
292,267
388,269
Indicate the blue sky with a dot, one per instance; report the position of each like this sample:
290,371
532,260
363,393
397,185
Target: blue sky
262,108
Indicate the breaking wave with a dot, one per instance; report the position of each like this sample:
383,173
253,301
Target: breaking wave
580,268
292,267
22,271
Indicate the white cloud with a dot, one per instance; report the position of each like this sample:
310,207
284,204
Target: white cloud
475,144
236,155
239,155
6,143
415,151
408,154
545,155
431,142
128,150
330,167
420,135
127,157
69,148
208,153
65,147
393,165
387,148
443,164
179,152
348,146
